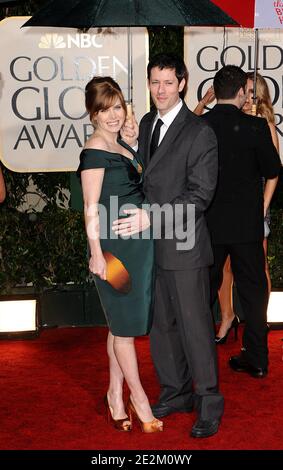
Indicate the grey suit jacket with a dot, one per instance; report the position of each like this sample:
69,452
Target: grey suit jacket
182,171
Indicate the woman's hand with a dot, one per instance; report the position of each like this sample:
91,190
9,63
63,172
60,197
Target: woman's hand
208,97
97,265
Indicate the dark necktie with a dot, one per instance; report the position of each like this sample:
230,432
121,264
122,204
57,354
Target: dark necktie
155,137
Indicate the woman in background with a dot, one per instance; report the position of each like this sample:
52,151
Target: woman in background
264,109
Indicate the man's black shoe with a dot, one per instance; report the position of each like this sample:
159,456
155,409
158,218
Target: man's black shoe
203,428
162,409
239,364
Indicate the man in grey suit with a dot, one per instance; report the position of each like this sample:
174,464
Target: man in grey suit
180,158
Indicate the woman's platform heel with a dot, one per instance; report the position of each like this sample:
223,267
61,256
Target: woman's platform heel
123,424
235,324
152,426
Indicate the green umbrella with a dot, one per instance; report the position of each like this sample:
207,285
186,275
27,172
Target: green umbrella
85,14
7,3
92,13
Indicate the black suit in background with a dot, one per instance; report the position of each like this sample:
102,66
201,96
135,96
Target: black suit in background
235,217
183,170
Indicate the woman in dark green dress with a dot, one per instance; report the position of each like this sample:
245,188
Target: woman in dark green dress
111,178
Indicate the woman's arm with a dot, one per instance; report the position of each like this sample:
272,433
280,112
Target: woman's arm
274,136
270,184
91,184
2,187
207,99
269,189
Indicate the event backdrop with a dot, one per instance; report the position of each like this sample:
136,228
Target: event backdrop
43,72
43,124
208,49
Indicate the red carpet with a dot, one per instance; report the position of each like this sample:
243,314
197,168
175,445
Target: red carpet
52,389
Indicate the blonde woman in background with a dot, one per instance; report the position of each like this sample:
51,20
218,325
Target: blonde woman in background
264,109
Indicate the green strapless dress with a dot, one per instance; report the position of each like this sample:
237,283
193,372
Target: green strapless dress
127,314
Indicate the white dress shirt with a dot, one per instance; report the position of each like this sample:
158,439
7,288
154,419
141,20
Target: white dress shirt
167,119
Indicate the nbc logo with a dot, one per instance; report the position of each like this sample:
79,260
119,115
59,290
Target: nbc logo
52,41
79,40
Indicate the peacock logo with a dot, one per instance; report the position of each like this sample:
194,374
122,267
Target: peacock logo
52,41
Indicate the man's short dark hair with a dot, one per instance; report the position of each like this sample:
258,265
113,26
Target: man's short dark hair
170,61
228,81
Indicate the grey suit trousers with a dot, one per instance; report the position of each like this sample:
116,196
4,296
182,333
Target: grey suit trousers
182,342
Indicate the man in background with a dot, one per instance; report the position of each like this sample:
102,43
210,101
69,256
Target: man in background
236,216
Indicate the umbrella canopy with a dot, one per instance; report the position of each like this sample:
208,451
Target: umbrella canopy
103,13
84,14
8,3
254,13
257,14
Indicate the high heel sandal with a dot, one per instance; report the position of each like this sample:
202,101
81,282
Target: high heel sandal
235,324
119,424
151,426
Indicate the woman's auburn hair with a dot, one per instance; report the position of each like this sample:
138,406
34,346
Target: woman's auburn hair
101,93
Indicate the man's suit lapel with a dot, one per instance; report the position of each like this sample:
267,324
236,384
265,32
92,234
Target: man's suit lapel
169,137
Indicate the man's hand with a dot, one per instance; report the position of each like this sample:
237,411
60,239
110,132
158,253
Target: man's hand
138,221
130,131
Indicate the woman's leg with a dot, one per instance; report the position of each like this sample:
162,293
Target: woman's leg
125,352
225,296
266,266
116,380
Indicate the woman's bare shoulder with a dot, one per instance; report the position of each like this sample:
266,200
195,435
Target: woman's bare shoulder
96,143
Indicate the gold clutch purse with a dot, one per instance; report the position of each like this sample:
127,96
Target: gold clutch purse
116,273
